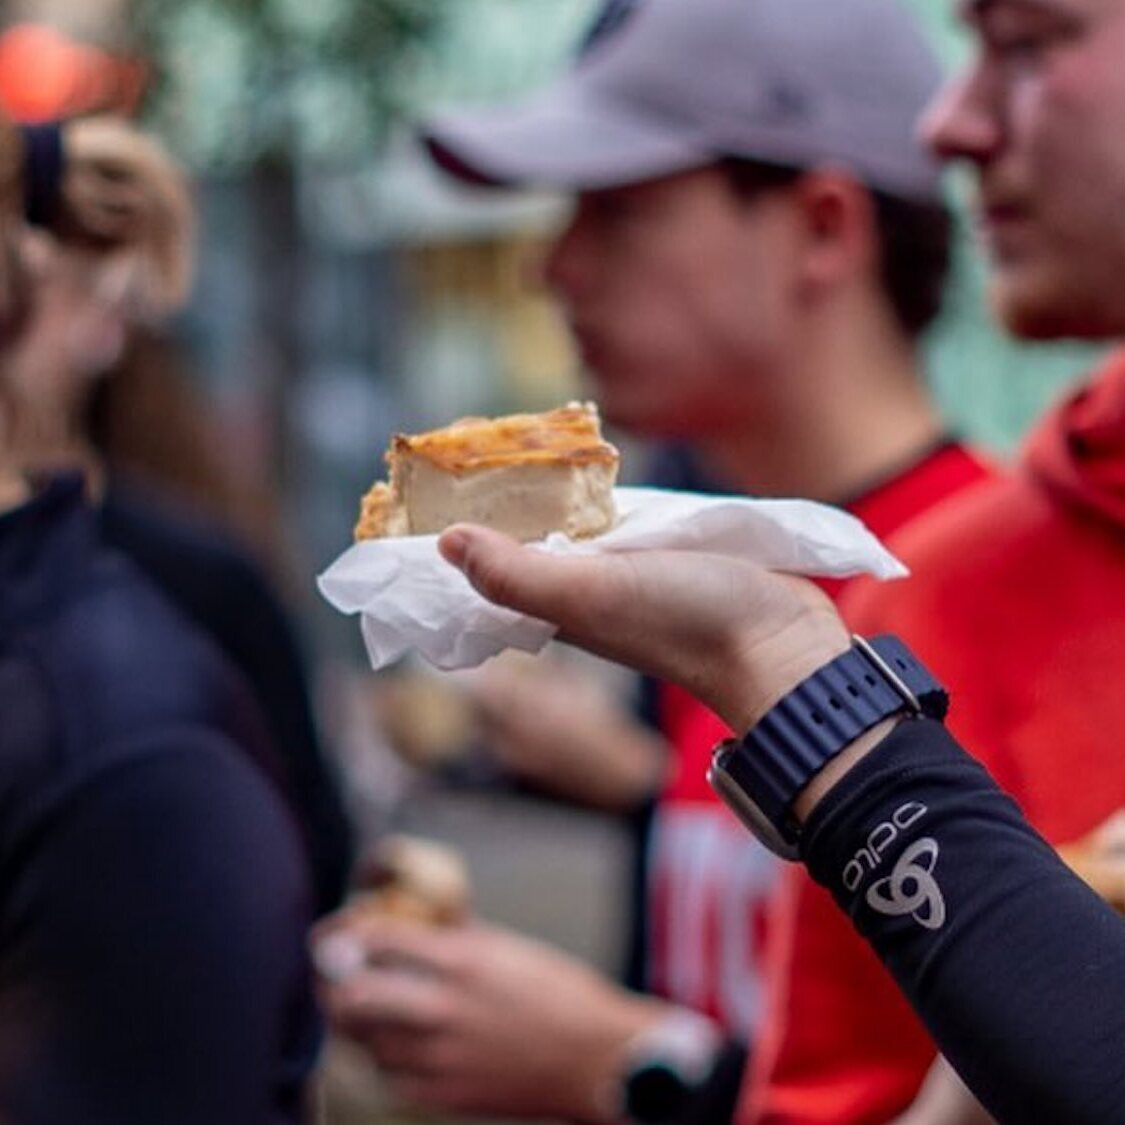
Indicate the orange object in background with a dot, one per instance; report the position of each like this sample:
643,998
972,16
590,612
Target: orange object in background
45,76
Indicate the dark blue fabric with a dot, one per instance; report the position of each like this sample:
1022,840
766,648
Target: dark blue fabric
153,894
1016,967
214,584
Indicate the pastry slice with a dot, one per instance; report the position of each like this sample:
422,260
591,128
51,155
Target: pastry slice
410,879
525,474
417,880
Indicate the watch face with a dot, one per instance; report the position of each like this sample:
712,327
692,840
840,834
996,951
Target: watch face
656,1093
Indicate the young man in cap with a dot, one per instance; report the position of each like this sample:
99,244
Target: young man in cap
758,242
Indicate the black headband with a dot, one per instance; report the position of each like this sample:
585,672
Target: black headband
43,167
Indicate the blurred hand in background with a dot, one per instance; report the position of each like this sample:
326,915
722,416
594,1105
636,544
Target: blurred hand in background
557,727
477,1019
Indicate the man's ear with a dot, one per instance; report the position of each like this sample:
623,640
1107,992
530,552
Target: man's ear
839,226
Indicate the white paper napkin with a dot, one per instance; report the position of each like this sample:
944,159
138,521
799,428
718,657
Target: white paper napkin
411,600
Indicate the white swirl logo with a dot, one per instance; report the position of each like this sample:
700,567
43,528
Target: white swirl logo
911,887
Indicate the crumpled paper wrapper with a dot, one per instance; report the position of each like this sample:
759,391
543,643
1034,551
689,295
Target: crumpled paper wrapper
411,600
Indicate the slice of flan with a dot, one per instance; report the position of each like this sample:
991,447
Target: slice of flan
525,474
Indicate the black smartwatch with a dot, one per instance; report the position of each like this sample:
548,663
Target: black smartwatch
667,1066
760,775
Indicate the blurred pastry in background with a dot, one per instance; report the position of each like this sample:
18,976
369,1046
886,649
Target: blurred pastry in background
420,880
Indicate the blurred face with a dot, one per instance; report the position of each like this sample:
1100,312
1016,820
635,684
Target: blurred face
1041,116
679,295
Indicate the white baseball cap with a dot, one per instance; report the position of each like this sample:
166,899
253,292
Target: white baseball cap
662,86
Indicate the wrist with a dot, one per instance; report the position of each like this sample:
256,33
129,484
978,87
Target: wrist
777,773
664,1066
764,673
839,767
618,1023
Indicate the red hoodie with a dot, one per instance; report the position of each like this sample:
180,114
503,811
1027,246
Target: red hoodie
1018,604
709,889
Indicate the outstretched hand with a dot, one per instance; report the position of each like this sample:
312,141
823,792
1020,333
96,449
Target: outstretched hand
733,634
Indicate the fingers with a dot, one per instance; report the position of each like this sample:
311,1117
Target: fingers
357,938
523,579
388,1000
405,1055
1110,837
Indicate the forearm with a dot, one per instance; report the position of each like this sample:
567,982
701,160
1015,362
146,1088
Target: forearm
1016,967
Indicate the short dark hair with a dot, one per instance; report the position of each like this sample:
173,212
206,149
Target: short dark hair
916,240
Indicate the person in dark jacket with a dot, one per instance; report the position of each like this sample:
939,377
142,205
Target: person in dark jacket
93,298
155,896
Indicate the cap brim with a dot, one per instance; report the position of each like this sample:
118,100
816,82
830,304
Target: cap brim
568,138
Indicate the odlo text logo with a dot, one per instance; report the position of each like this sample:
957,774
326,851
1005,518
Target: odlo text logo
911,887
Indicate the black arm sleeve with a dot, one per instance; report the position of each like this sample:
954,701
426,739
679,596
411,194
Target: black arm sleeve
153,965
1016,967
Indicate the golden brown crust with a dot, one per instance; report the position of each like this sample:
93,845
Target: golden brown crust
375,512
417,880
567,440
570,435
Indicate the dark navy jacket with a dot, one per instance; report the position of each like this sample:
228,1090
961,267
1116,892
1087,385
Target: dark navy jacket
212,582
153,892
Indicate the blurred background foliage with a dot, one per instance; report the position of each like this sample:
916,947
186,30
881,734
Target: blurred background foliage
235,81
239,80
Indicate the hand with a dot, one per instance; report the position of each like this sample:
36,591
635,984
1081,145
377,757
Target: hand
734,635
473,1019
556,727
1099,859
123,195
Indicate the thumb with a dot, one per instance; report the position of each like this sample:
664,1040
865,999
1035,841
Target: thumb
512,575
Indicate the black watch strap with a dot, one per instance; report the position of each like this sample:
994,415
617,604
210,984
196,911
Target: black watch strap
760,775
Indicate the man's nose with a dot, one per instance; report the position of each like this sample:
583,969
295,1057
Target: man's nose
558,264
571,260
963,121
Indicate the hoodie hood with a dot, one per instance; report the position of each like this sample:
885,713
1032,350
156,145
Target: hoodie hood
1078,451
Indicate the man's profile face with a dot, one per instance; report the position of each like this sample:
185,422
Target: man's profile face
1040,114
676,293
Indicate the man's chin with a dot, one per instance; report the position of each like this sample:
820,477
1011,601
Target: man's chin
640,418
1052,312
